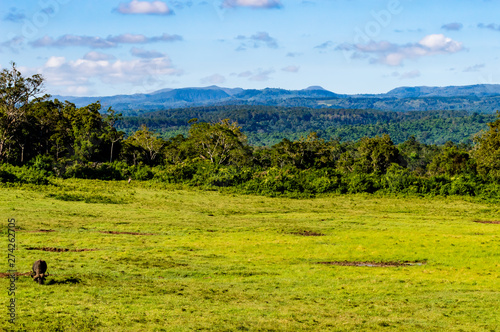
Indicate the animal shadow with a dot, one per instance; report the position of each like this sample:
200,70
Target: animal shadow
70,280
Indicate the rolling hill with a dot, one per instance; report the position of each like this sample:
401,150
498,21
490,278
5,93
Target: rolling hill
484,98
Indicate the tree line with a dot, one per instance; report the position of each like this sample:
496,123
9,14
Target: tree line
268,125
42,138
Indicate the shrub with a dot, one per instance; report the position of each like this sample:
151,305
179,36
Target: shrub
463,185
23,174
362,183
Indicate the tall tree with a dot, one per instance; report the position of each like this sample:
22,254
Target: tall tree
377,154
487,151
222,143
451,161
17,94
148,141
112,134
88,131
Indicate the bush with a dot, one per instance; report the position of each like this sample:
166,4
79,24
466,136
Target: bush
177,173
274,181
100,171
229,176
362,183
400,180
141,172
43,163
23,174
6,174
463,185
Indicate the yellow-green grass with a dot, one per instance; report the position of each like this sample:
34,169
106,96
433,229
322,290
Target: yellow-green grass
226,262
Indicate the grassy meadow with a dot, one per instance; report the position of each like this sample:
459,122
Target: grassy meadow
185,260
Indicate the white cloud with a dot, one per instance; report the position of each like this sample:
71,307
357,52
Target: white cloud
491,26
72,40
80,74
144,7
325,45
256,41
455,26
15,16
252,3
98,42
439,43
291,69
261,75
142,53
15,44
97,56
213,79
394,55
474,68
410,75
256,75
247,73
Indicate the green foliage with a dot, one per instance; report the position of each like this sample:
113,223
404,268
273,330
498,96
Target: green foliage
268,125
399,179
221,143
102,171
24,174
377,154
487,153
49,138
451,161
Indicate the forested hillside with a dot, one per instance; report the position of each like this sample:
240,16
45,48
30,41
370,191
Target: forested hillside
482,98
42,138
267,125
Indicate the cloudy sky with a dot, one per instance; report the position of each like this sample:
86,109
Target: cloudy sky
107,47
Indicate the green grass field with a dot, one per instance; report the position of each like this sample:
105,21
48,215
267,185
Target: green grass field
211,261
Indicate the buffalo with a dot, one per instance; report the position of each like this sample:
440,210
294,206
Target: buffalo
39,271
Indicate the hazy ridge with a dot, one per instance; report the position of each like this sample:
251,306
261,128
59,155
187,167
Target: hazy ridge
482,98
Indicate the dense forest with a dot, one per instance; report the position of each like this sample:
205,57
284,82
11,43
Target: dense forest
268,125
42,138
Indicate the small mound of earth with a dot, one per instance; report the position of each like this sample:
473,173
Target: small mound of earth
487,221
129,233
7,275
58,249
373,264
307,233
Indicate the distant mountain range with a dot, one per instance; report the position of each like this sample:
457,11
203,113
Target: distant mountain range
483,98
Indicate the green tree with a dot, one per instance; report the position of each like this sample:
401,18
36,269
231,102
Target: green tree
17,95
487,151
178,149
416,155
148,141
112,134
221,143
451,161
88,131
377,154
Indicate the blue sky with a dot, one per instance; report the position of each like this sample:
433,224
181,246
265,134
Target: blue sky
107,47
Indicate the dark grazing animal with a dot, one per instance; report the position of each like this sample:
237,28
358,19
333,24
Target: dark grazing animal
39,271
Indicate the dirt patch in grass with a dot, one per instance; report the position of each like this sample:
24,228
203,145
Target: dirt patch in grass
128,233
58,249
307,233
488,221
7,275
38,231
374,264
